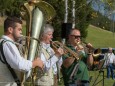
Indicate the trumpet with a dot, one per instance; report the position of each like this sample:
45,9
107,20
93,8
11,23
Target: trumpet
89,49
57,44
72,55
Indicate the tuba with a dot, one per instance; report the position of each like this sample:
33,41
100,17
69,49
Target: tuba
36,13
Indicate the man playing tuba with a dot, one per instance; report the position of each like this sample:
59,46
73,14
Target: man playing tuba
11,62
36,13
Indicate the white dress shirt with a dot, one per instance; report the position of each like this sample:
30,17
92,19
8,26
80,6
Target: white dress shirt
13,57
109,58
15,60
51,62
50,68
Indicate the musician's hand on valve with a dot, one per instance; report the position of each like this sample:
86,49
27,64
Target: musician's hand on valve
59,52
37,63
90,47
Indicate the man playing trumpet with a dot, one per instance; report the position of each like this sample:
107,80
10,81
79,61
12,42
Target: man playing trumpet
76,73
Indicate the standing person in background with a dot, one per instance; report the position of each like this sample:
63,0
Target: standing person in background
10,57
80,76
49,58
109,62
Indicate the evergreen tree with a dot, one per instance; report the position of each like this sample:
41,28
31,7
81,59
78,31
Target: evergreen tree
10,7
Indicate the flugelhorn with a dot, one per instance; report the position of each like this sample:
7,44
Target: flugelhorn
57,44
95,52
73,56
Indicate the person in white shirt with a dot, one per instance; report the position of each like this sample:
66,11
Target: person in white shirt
109,62
13,31
49,57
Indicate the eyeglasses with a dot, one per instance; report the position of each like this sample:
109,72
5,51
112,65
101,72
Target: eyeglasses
76,36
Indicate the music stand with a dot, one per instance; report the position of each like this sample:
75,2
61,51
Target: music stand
100,68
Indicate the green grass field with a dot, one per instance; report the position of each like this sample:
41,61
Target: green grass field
97,79
99,38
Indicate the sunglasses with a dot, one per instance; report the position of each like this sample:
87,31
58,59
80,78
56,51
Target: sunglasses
76,36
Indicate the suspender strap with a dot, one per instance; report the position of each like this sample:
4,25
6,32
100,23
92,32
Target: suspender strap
11,70
74,72
46,54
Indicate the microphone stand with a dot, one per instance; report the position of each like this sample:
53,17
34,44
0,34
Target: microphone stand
100,71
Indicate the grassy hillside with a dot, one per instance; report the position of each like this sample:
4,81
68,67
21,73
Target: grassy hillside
100,38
